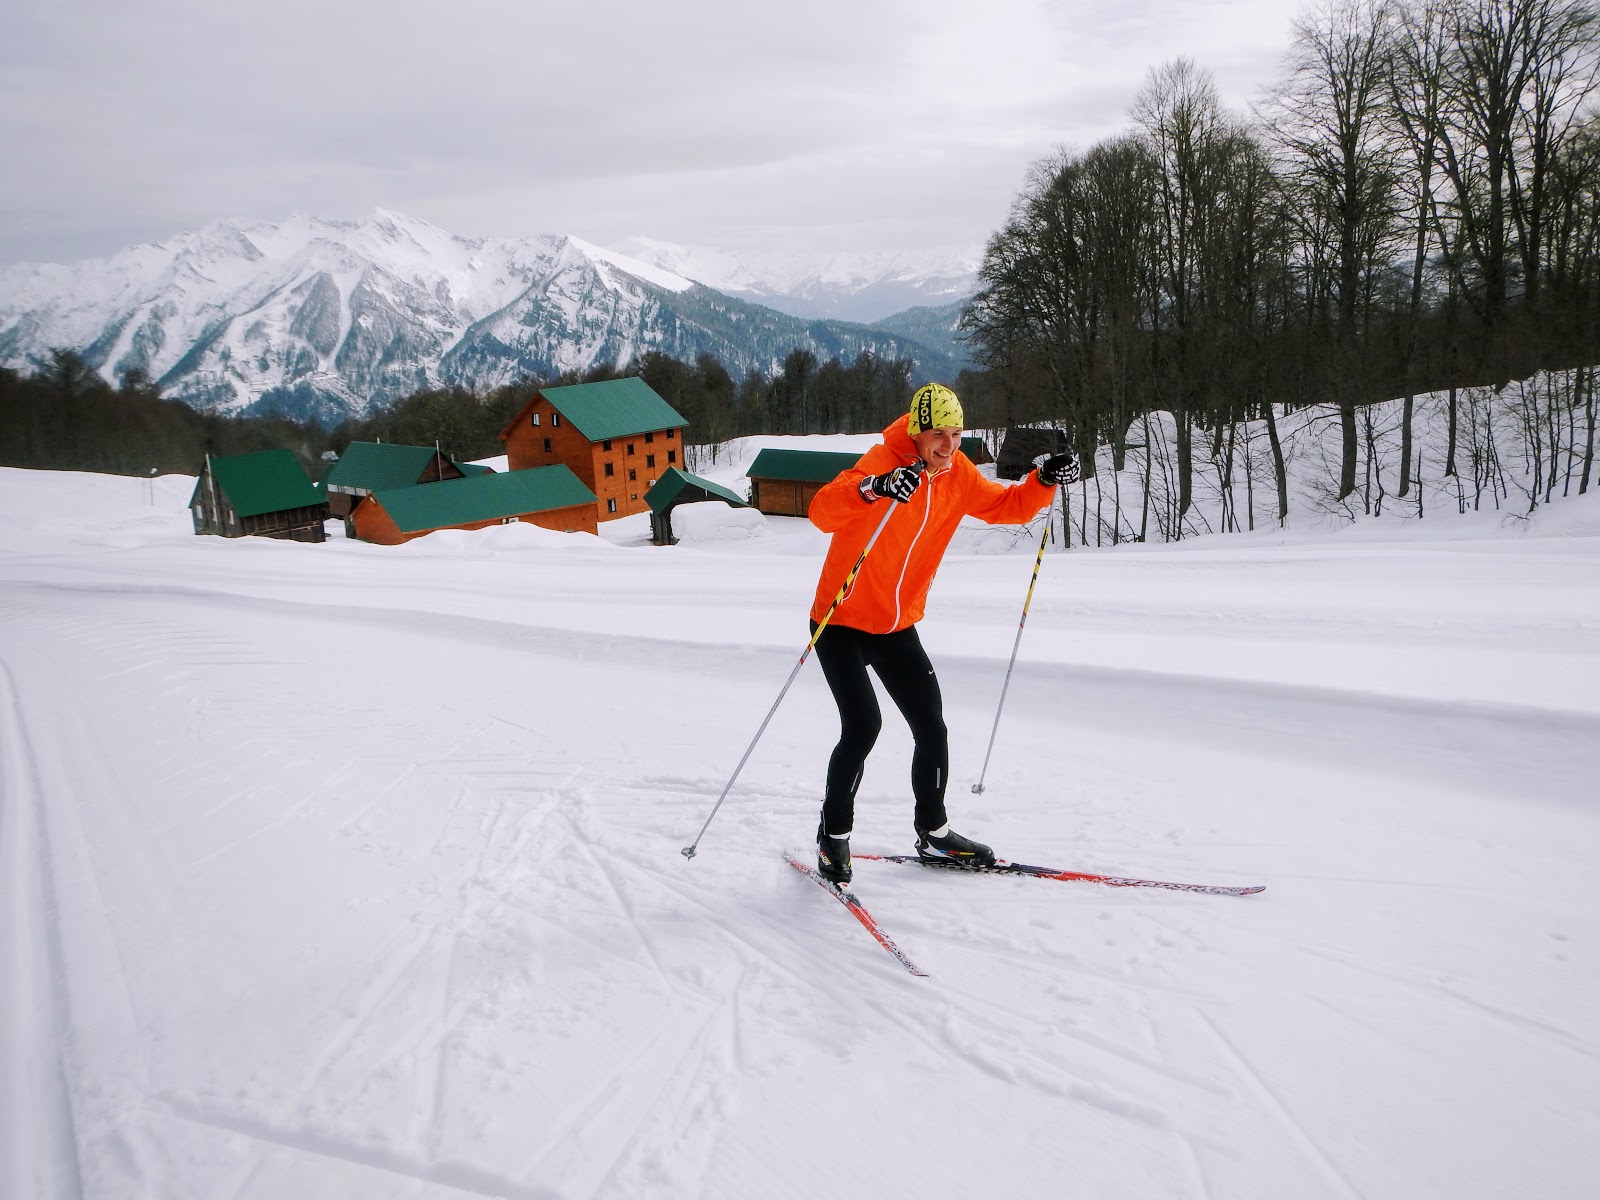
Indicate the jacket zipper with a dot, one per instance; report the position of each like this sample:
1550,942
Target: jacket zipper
927,509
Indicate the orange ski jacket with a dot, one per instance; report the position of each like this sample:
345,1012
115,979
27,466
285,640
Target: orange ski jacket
892,587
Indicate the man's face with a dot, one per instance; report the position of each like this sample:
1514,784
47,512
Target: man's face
937,446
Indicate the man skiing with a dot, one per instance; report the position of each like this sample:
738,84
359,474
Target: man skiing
919,467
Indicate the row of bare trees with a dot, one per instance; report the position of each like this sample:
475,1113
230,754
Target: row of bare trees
1414,206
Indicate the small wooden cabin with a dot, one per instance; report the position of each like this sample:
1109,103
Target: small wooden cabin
550,497
617,436
264,494
782,482
977,450
679,487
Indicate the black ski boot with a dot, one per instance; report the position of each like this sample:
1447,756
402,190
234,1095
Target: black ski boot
953,848
833,857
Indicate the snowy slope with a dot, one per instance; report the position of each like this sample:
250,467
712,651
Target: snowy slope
347,871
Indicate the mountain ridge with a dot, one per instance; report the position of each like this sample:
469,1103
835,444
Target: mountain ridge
321,319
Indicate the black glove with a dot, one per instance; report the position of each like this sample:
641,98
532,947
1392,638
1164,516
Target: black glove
897,484
1057,468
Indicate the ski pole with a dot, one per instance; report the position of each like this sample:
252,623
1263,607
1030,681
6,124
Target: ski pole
1038,559
844,588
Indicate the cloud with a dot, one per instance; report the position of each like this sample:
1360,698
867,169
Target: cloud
888,120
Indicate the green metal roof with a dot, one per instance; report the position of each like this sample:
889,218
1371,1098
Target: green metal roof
372,466
801,466
674,483
263,482
482,498
613,408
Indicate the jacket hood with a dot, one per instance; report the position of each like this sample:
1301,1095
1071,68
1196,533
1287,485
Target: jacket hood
897,437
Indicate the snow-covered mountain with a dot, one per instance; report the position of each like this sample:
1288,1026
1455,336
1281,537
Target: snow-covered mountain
325,318
845,287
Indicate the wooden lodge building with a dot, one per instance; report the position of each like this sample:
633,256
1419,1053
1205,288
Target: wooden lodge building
367,467
617,436
677,487
782,482
550,497
264,494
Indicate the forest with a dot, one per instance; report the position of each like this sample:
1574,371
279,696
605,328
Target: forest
65,417
1414,206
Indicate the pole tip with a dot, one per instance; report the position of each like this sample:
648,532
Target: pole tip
687,851
977,789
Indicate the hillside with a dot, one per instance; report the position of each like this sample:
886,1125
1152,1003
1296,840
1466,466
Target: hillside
345,871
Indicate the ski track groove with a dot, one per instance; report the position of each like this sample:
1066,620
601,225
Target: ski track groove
600,1094
1541,1032
1297,1130
448,1020
374,992
605,872
30,868
1184,1139
312,1142
985,1005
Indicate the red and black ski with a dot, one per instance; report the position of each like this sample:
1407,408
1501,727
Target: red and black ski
861,914
1002,867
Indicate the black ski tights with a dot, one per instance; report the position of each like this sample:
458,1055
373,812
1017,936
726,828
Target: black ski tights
903,667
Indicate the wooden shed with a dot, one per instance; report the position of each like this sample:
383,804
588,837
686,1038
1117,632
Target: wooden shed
976,450
617,436
782,482
265,494
550,497
679,487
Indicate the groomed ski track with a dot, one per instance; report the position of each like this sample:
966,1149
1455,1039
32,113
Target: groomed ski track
336,872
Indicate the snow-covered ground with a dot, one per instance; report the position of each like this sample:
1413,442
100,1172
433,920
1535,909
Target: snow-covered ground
349,871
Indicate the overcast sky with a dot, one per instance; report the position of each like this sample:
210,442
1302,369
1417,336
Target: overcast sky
833,125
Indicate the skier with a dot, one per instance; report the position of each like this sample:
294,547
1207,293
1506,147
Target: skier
918,465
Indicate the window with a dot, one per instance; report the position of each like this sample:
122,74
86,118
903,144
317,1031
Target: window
650,437
630,447
635,496
649,460
534,419
672,456
609,471
632,475
606,445
611,506
547,445
555,418
671,433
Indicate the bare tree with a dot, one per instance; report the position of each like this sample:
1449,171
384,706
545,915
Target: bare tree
1327,115
1181,119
